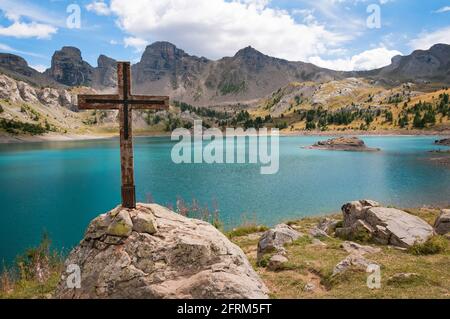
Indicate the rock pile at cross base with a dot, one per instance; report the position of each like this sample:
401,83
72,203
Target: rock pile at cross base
152,252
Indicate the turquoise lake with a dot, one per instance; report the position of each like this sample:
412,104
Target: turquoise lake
58,187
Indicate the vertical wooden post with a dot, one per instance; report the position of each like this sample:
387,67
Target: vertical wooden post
126,137
124,101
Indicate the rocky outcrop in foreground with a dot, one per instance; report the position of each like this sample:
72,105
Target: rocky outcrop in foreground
367,220
21,92
272,243
152,252
351,144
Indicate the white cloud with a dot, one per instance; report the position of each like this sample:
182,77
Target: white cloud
136,43
354,2
215,28
41,25
426,40
99,7
14,10
339,15
39,67
7,48
307,15
443,9
367,60
28,30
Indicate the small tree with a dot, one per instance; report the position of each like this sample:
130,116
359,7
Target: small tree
310,126
418,121
403,121
389,117
429,117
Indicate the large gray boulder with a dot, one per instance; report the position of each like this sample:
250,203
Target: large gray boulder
273,240
365,220
154,253
442,225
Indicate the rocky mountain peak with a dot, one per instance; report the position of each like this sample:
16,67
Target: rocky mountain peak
105,61
106,72
69,52
161,52
11,59
440,47
14,63
253,60
396,60
248,75
249,52
68,68
441,51
420,66
163,60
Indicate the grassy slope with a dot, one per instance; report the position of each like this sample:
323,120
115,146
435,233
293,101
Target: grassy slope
286,101
314,264
333,97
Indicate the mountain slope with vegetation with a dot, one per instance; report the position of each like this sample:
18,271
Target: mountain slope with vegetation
357,104
249,89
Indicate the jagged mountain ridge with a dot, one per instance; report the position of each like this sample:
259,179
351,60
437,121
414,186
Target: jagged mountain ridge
17,67
68,68
421,66
247,76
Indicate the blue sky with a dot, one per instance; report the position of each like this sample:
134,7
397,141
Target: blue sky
331,33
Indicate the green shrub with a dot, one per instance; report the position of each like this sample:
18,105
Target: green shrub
362,236
310,125
264,262
35,274
16,127
433,246
37,263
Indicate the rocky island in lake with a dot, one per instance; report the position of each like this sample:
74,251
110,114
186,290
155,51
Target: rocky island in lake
443,142
349,144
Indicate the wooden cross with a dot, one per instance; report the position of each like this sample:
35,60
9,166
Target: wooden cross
125,102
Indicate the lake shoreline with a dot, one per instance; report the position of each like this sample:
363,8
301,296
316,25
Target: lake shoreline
11,139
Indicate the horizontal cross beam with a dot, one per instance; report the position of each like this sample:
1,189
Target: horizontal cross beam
112,102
